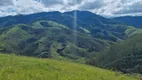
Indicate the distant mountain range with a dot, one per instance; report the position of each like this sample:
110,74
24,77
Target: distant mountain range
88,17
130,20
75,35
83,18
88,22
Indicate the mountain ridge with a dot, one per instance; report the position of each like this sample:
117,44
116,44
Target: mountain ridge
130,20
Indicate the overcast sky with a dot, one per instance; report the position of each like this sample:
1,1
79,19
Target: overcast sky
101,7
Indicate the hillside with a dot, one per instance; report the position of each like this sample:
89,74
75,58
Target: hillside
48,39
124,56
25,68
53,35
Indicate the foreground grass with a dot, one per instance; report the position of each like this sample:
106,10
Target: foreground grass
24,68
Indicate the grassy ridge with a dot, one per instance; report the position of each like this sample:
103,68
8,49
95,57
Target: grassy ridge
23,68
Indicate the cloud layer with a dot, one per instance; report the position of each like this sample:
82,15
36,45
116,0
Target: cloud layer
101,7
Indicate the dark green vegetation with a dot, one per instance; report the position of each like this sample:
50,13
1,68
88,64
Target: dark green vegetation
24,68
125,56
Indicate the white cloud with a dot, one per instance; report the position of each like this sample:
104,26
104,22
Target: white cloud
102,7
6,2
121,7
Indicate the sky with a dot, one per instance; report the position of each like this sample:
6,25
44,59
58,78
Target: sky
107,8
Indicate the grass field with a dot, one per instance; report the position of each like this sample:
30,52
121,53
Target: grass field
25,68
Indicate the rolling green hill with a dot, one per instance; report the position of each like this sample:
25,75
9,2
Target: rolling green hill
125,56
25,68
48,39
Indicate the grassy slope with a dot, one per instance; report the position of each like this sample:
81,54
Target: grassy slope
23,68
132,31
